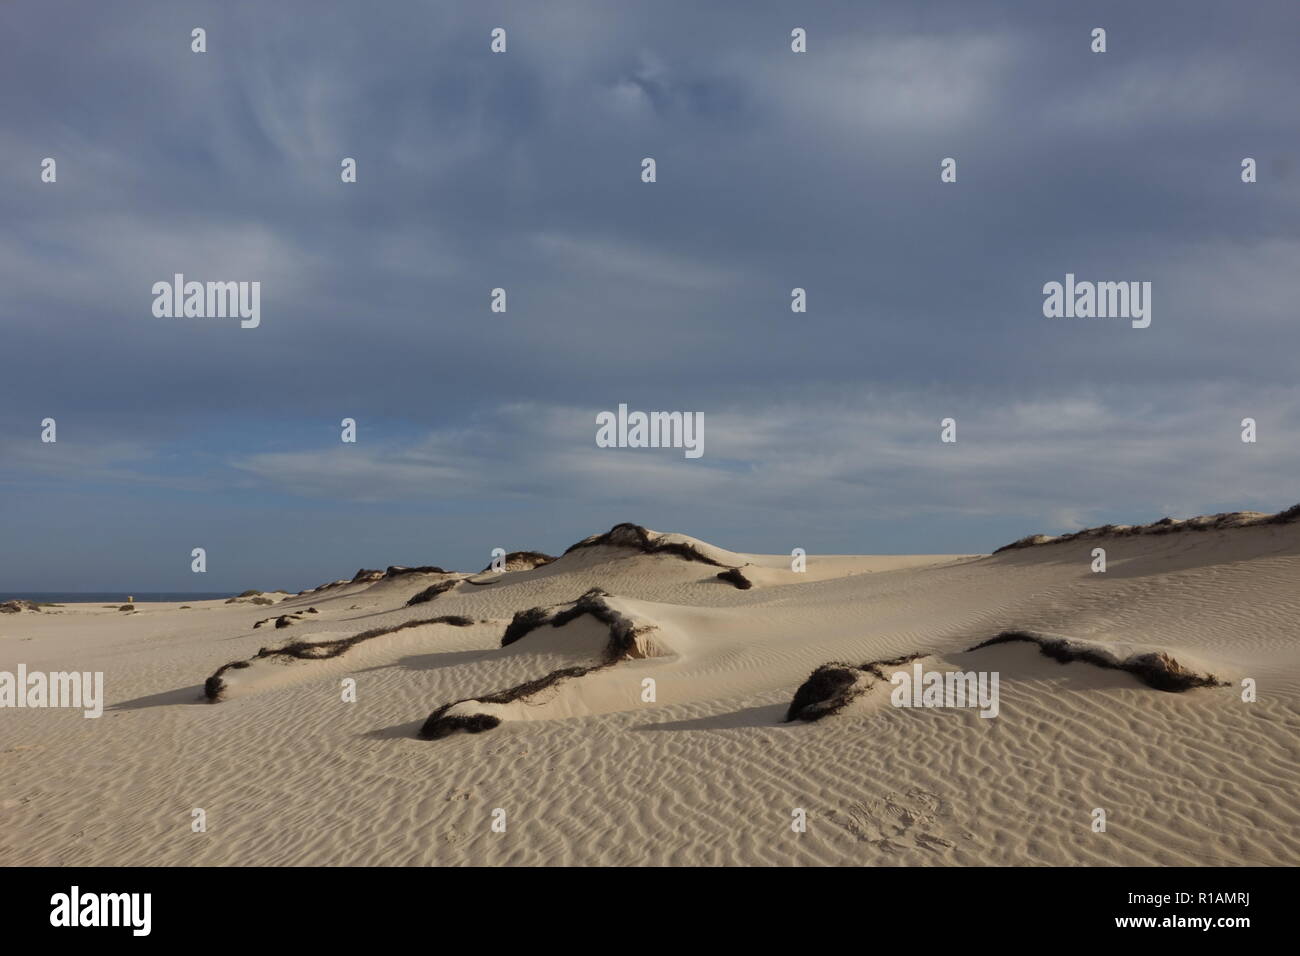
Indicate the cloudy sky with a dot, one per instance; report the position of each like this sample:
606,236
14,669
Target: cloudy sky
522,170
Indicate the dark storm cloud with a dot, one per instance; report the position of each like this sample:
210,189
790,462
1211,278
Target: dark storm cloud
522,171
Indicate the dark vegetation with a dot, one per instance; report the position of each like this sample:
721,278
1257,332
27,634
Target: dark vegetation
832,687
736,577
524,561
1154,669
323,650
397,571
637,538
431,592
1218,522
621,645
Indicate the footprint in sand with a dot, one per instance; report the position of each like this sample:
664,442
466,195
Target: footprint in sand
898,821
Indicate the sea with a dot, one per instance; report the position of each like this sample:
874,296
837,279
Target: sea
110,597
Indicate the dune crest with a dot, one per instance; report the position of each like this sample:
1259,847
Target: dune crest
634,537
1156,669
1217,522
628,639
214,688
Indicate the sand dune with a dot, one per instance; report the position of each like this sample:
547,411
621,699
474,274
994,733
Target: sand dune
637,711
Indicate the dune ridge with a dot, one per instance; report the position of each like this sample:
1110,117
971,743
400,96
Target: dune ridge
635,537
214,686
1217,522
1154,668
626,641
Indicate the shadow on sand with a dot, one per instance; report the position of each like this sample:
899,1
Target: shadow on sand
767,716
182,696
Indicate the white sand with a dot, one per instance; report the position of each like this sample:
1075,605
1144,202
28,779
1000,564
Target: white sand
708,774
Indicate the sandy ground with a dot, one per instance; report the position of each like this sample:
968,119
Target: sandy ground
587,771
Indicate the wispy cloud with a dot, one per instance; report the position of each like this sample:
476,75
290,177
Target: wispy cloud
1057,460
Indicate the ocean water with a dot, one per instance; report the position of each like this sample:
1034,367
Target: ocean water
110,597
